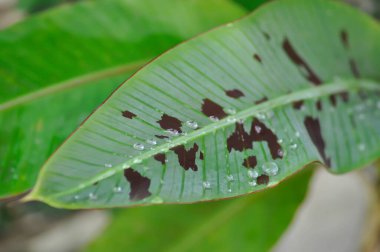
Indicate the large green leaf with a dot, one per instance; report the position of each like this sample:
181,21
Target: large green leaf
252,223
57,67
230,112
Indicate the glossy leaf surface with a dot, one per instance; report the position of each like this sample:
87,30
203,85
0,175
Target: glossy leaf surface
230,112
57,67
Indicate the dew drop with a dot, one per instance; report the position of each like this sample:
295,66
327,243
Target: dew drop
172,132
138,146
192,124
270,168
252,173
108,165
92,196
297,134
293,146
258,129
361,147
206,185
151,141
214,118
261,116
231,111
230,177
76,197
231,119
117,189
280,141
229,190
157,200
137,161
281,153
252,183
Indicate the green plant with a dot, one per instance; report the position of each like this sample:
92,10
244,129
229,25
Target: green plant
233,111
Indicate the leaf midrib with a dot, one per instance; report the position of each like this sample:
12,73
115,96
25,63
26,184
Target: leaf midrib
78,81
309,93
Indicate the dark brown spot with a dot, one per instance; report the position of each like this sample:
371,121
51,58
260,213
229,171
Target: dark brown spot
344,39
264,99
354,68
161,136
139,184
160,158
300,62
241,140
250,162
263,180
318,105
333,97
257,58
314,129
186,158
234,93
128,114
168,122
210,108
298,104
201,155
268,136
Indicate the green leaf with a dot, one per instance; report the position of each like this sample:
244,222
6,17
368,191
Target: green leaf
250,4
57,67
251,223
292,84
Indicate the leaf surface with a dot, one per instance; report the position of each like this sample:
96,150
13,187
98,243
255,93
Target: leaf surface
57,67
230,112
251,223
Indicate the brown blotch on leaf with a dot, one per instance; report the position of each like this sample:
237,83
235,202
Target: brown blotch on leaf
160,157
250,162
128,114
168,122
210,108
344,39
139,184
354,68
241,140
161,136
201,155
257,58
264,99
186,158
234,93
318,105
263,180
314,129
298,104
266,35
300,62
342,95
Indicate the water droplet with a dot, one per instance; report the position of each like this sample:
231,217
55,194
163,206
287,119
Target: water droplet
231,119
184,133
252,183
157,200
76,197
230,177
293,146
261,116
253,173
214,118
280,141
173,132
192,124
139,146
231,111
361,147
206,185
137,161
117,189
108,165
270,168
151,141
257,129
297,134
229,190
92,196
281,153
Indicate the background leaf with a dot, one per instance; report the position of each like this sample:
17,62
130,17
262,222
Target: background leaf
233,111
251,223
57,67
